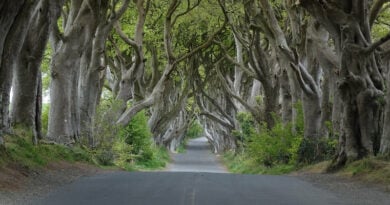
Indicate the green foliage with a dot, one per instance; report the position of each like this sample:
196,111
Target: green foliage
104,128
278,150
267,149
381,27
20,149
244,164
138,135
45,69
134,149
310,151
195,130
160,157
105,131
316,150
275,146
247,125
372,170
123,153
45,118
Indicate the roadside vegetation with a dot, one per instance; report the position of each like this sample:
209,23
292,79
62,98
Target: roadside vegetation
129,148
279,150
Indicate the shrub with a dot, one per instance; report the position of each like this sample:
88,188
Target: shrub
123,153
134,148
138,135
316,150
247,125
195,130
105,131
277,145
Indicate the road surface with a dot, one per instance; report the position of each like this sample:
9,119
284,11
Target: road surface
197,158
194,178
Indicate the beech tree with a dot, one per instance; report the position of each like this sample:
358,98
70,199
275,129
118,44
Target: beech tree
27,79
15,19
172,60
360,79
210,61
78,48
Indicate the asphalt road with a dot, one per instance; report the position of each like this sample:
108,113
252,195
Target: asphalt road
197,158
194,177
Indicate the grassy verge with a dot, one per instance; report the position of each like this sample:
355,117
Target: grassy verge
370,170
21,151
242,164
158,161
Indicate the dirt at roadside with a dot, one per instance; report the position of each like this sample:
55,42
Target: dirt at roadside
350,191
19,186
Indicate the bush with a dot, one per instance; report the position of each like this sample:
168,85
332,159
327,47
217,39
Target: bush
123,156
316,150
105,132
129,147
247,125
195,130
277,145
138,135
104,128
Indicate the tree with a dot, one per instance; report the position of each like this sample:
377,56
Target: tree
360,81
27,79
172,60
93,66
14,23
72,52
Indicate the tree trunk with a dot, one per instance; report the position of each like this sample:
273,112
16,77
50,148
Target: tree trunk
360,82
286,98
385,140
14,20
311,89
90,82
64,115
326,105
27,96
63,93
271,96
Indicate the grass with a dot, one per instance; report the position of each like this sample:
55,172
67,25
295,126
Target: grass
372,169
21,151
369,170
241,164
159,160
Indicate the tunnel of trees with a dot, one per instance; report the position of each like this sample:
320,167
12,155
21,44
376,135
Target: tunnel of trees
72,69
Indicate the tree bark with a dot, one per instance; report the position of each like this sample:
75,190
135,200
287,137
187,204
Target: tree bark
64,115
385,140
93,68
360,83
286,98
27,96
14,18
